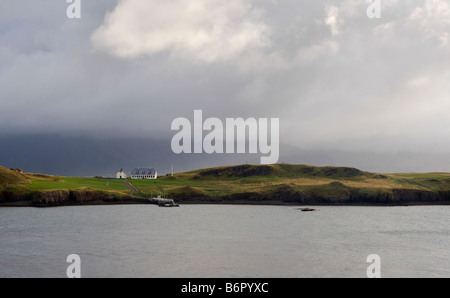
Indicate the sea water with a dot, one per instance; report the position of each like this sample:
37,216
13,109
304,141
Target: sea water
225,241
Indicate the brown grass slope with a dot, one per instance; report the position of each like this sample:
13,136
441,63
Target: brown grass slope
13,185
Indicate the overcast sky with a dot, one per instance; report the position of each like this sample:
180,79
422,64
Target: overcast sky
334,77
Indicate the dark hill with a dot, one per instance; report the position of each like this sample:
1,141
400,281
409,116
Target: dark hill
280,171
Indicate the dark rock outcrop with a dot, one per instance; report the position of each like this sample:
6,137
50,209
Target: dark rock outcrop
307,209
9,196
289,194
51,198
81,197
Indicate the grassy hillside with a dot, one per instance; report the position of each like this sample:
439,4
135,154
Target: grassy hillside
16,186
293,183
13,184
253,183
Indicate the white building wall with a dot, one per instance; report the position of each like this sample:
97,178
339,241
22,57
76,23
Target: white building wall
145,176
121,175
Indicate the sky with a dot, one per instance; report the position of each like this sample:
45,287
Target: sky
336,79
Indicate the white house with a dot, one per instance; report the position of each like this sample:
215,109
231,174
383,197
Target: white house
144,173
121,175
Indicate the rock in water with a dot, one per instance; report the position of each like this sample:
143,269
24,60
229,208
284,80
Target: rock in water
307,209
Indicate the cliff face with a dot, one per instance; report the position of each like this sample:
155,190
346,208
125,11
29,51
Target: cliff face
395,197
282,195
287,195
9,196
51,198
66,198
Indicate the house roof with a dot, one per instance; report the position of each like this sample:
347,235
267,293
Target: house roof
143,171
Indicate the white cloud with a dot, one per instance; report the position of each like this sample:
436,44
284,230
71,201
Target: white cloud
315,51
332,20
385,31
208,31
433,19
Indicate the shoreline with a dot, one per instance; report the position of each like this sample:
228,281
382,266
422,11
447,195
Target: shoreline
22,204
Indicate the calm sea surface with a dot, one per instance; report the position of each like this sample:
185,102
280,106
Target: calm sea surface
225,241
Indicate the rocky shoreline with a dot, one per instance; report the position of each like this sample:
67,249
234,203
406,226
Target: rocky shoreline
66,198
398,197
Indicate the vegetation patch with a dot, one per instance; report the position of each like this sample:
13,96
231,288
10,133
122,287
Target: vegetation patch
285,183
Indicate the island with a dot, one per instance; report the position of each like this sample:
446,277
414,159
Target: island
278,184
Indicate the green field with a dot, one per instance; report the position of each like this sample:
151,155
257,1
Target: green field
70,183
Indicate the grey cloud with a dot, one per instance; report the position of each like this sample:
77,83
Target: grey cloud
367,86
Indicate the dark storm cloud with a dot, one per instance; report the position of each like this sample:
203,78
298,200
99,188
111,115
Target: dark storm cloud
334,77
